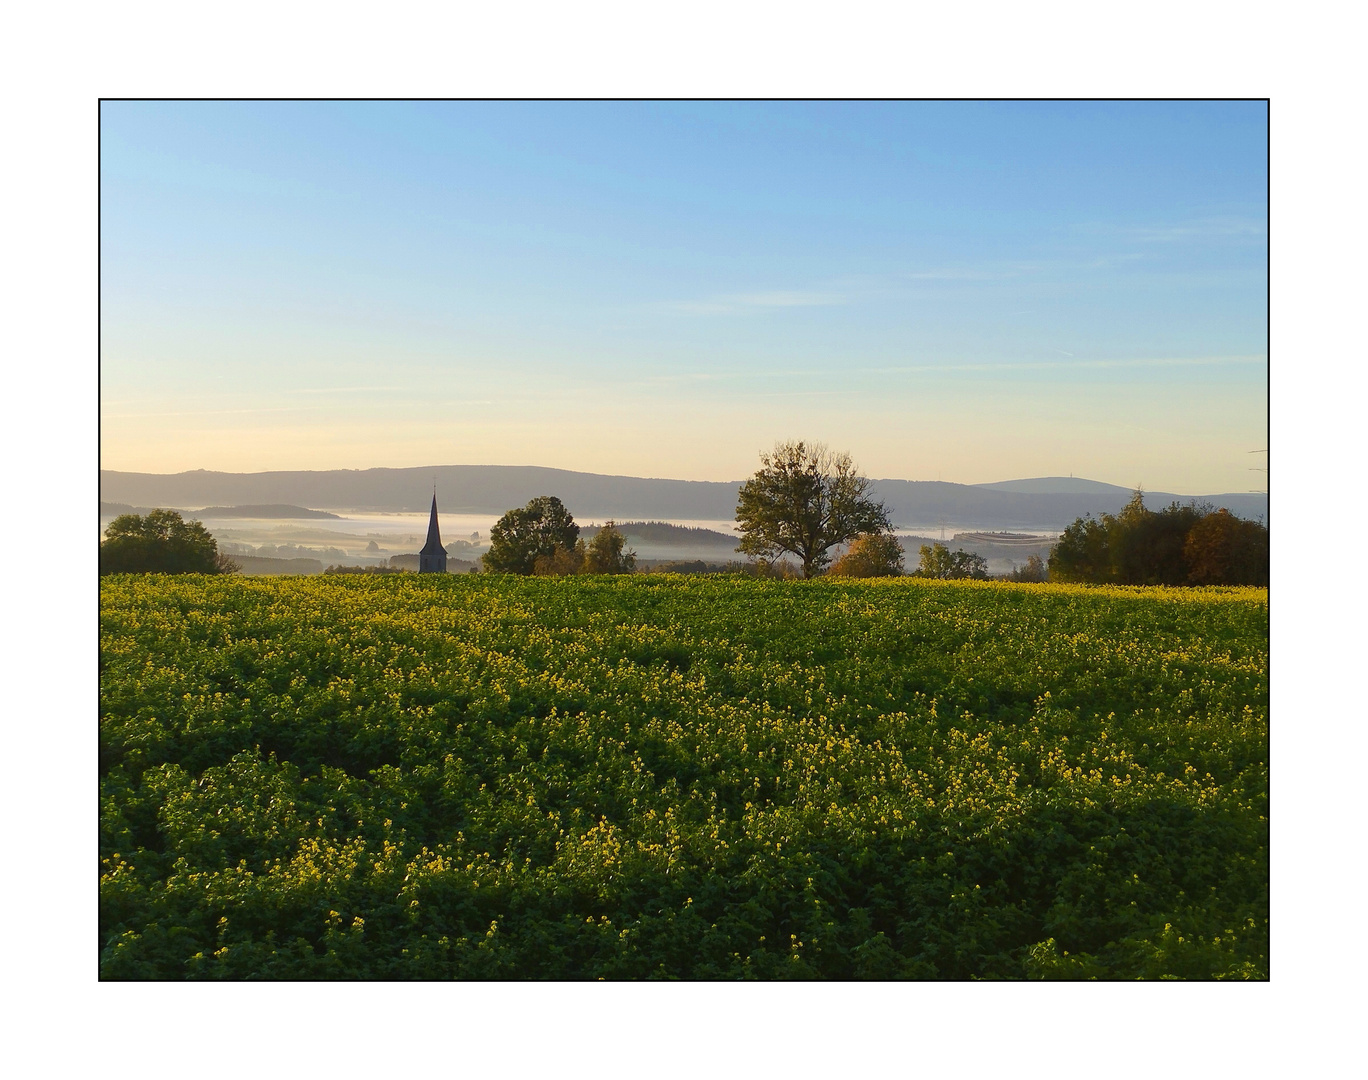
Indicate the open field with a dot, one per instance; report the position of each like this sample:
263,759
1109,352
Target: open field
652,776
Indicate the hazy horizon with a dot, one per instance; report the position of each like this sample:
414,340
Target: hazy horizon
958,291
1083,480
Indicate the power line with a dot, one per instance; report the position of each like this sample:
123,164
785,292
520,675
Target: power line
1255,468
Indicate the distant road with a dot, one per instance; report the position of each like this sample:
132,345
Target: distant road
492,489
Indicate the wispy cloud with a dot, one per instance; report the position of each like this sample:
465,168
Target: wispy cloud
681,379
733,303
340,389
1074,364
212,412
1175,232
812,393
894,286
1107,262
953,274
391,405
760,375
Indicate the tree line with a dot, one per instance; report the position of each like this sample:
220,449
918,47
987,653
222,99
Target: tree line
1179,545
805,501
809,503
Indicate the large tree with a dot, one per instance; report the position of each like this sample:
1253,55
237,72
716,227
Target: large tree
160,541
805,500
520,536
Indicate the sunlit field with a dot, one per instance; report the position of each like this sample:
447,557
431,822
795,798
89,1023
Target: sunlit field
477,776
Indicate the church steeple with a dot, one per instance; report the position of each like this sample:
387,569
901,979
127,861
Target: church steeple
433,558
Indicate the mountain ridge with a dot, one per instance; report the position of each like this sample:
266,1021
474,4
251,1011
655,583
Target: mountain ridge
493,489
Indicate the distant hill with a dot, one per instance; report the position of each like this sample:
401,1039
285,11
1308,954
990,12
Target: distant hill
1057,485
492,489
921,502
273,510
474,489
113,510
660,532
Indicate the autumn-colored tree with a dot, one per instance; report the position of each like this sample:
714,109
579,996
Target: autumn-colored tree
1147,547
1222,549
1179,545
605,554
562,560
870,555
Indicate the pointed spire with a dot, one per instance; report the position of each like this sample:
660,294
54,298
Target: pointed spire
434,535
433,556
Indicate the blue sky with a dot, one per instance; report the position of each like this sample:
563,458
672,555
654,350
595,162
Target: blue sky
965,291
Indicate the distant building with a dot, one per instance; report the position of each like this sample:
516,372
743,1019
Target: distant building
432,559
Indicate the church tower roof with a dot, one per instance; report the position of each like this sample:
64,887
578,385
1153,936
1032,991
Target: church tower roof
433,557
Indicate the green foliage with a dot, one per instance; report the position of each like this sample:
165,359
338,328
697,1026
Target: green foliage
1083,553
456,776
366,570
1175,546
605,553
160,541
521,536
870,555
805,500
939,562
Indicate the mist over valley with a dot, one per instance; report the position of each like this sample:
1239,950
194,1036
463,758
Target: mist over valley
302,522
487,491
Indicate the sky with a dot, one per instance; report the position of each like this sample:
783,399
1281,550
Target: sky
963,291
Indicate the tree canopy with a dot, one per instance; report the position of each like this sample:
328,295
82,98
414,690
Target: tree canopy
1179,545
160,541
1222,549
520,537
605,554
938,561
602,555
870,555
805,500
562,561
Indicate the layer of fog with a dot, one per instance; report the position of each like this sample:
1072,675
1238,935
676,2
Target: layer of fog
351,539
357,538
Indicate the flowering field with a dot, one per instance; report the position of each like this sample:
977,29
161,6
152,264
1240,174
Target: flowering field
474,776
